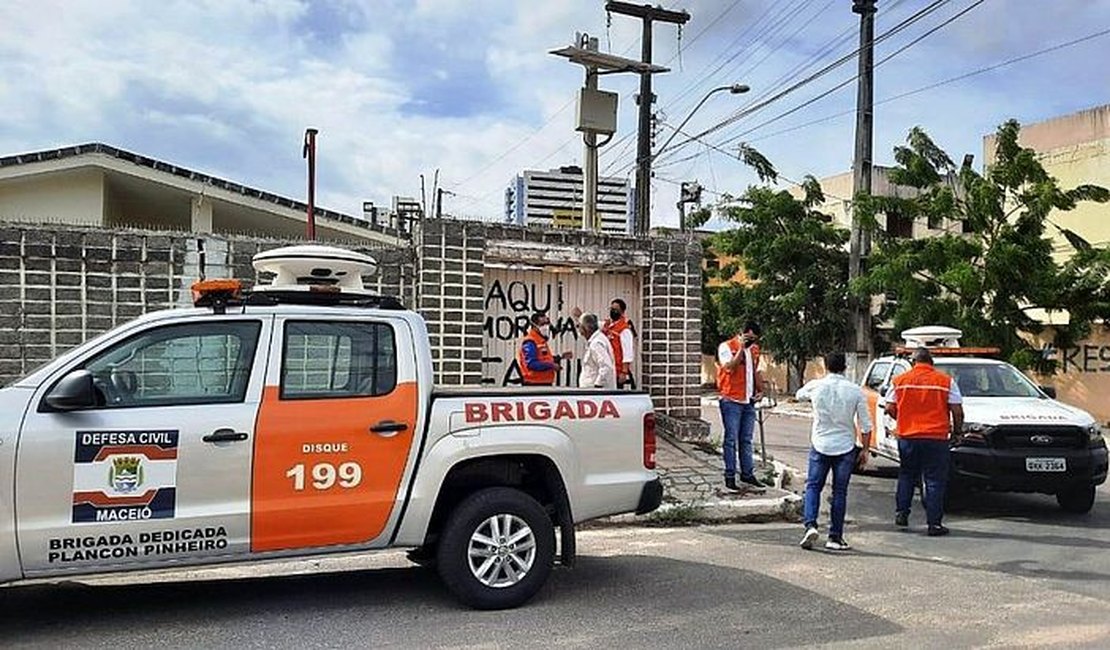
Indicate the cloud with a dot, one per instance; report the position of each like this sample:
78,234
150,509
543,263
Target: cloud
400,88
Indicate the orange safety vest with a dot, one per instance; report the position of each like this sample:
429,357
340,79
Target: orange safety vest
543,354
613,332
734,385
921,395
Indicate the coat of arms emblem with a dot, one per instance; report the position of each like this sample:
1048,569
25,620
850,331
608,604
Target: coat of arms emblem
126,474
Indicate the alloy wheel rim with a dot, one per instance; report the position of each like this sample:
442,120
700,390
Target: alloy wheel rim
502,551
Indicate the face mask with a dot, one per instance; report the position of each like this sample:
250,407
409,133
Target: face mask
545,331
615,314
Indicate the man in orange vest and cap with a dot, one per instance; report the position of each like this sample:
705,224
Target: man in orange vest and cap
621,336
929,408
538,366
741,386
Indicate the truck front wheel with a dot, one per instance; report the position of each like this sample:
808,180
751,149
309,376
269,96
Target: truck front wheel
1078,499
496,549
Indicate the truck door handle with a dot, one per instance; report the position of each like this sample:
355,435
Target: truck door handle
225,435
388,428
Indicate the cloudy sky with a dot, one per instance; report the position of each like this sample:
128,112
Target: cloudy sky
400,88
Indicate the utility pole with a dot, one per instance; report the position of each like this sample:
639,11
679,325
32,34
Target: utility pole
860,239
648,15
590,221
440,193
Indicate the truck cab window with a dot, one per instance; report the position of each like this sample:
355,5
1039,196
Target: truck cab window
338,359
877,374
176,365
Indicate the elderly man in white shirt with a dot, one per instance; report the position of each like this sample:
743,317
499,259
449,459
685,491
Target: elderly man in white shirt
838,403
598,367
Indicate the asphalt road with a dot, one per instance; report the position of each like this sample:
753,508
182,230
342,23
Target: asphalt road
1016,572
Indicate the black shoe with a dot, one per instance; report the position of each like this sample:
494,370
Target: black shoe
902,519
938,531
751,480
730,483
837,544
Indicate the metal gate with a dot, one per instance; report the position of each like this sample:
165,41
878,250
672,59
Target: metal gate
512,294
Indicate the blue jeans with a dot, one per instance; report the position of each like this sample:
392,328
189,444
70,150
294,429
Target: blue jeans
819,466
926,459
739,421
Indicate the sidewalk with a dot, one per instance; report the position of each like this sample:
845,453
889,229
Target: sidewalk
694,491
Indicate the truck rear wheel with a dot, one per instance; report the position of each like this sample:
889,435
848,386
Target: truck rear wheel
1078,499
496,549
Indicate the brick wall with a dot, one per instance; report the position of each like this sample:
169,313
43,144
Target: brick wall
672,327
450,262
60,285
450,266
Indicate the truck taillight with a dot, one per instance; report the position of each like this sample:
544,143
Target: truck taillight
649,440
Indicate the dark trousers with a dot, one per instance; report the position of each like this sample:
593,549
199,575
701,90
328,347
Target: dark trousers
928,460
819,467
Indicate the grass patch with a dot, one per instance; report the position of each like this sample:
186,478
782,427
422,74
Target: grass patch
686,514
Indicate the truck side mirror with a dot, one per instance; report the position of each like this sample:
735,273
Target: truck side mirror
883,390
1049,390
75,391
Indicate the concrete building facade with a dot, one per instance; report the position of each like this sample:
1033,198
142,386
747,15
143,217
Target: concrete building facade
103,186
553,199
1075,149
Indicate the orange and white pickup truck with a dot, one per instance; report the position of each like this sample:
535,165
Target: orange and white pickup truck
300,419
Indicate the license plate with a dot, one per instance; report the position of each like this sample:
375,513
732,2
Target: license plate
1046,465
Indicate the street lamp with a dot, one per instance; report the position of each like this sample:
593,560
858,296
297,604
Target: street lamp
734,89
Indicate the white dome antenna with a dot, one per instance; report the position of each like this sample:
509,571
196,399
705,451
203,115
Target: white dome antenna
313,268
932,336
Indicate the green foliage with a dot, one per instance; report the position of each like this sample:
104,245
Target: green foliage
986,282
798,263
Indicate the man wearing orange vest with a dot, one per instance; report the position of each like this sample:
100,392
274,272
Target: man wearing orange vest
741,386
928,407
538,366
620,333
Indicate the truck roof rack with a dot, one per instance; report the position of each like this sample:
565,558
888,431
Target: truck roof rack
907,351
323,298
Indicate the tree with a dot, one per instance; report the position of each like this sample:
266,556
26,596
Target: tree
797,262
987,279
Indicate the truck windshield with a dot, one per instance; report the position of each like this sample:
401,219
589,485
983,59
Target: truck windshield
989,380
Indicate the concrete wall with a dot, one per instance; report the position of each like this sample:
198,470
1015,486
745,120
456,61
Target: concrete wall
1082,377
1076,150
838,191
76,197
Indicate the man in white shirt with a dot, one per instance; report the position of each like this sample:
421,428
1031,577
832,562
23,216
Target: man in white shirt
598,367
740,384
838,404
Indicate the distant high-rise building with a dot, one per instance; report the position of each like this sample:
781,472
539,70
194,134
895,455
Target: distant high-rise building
553,199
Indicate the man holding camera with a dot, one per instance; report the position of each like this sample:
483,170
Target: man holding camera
741,386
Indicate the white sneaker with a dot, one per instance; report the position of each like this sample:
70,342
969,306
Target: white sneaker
809,538
837,544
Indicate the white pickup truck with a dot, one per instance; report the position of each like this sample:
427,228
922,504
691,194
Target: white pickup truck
296,420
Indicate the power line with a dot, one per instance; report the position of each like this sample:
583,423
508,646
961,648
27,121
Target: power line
844,83
813,77
703,76
845,37
944,82
571,101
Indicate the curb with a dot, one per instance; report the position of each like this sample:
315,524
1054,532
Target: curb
769,509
